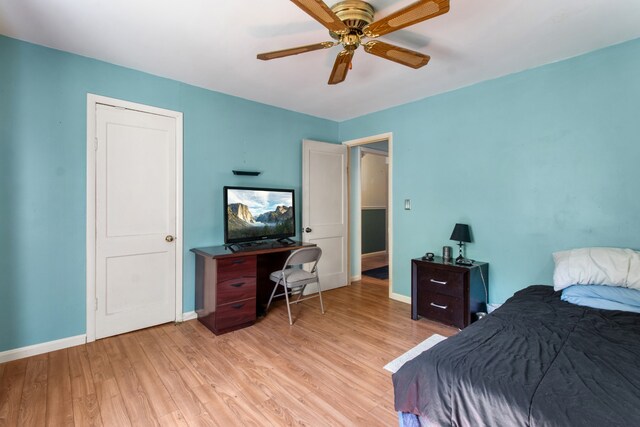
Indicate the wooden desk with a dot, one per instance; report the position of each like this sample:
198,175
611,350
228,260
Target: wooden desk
233,286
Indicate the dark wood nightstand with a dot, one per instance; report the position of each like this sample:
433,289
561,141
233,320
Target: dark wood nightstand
447,292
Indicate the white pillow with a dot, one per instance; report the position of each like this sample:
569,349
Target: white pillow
597,266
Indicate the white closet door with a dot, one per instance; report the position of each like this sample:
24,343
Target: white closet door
135,220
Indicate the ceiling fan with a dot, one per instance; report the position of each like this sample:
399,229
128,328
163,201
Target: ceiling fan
351,21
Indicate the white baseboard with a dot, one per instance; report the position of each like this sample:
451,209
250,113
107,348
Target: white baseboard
189,315
356,278
402,298
45,347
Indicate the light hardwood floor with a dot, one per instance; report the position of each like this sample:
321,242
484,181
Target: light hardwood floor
323,370
374,261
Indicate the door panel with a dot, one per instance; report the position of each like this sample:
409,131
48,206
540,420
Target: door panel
324,210
131,282
131,208
135,212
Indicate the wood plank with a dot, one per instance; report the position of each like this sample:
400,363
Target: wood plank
80,371
159,397
135,398
112,408
59,396
11,391
188,373
173,419
86,411
33,403
186,400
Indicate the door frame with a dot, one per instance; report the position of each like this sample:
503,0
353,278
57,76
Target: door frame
92,102
369,140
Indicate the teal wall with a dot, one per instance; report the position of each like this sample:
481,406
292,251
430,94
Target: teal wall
42,175
374,230
535,162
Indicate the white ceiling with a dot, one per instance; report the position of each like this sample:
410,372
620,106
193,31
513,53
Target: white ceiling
213,44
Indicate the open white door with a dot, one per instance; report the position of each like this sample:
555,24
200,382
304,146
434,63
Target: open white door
324,208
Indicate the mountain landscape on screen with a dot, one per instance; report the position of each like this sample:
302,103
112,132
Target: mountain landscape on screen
242,223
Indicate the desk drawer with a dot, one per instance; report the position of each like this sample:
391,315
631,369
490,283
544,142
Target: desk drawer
441,308
439,281
233,268
236,313
236,289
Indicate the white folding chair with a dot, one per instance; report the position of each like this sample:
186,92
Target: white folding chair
294,279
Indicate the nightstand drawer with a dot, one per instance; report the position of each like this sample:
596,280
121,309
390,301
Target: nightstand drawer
441,281
442,308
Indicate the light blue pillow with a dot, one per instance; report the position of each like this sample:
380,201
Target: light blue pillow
604,297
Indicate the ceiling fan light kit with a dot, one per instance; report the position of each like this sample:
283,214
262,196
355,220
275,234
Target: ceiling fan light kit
351,21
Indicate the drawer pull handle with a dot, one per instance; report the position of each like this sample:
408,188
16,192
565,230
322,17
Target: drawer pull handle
237,305
237,285
238,261
438,282
443,307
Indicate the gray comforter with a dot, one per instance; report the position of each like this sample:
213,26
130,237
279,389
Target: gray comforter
536,361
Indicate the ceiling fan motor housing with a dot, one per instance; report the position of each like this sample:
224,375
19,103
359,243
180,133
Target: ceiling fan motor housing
355,14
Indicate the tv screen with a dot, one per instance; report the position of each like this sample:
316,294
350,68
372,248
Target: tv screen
258,214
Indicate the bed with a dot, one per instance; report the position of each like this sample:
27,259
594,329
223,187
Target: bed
535,361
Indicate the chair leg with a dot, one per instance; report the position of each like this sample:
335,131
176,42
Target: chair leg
272,294
300,292
286,295
320,296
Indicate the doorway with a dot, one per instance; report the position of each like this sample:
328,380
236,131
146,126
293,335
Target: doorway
370,219
373,210
134,216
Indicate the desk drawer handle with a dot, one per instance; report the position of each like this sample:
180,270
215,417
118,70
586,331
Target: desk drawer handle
238,261
438,282
240,305
237,285
443,307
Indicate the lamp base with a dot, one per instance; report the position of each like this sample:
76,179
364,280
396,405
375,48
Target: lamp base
461,244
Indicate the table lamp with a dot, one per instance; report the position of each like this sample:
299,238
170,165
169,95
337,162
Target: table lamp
461,234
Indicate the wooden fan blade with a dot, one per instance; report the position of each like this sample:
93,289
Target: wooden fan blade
341,67
295,50
412,14
319,11
397,54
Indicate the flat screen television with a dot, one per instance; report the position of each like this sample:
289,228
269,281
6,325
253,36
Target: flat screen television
252,214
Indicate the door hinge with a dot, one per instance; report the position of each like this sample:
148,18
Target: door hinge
95,143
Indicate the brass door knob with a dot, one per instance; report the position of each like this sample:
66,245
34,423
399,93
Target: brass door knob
169,238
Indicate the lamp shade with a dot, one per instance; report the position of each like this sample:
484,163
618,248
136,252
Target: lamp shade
461,233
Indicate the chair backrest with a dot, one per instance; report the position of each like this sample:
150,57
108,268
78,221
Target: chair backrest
304,256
